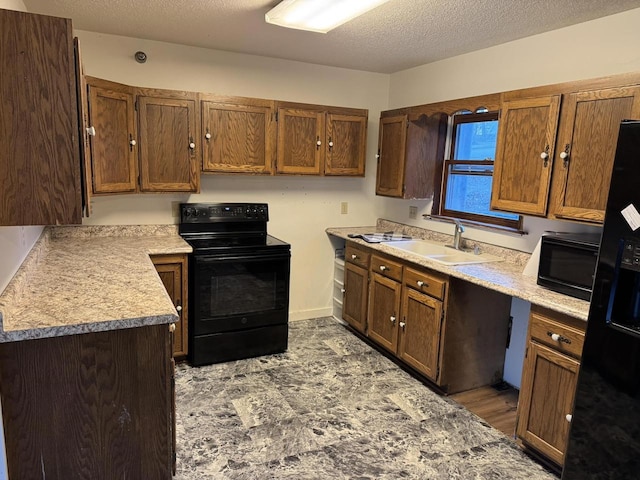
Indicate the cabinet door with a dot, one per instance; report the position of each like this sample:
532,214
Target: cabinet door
391,156
524,155
384,311
354,309
345,145
237,138
168,148
300,141
39,150
422,318
114,156
172,270
586,148
548,388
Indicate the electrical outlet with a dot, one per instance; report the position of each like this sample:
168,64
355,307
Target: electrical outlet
413,212
175,209
344,208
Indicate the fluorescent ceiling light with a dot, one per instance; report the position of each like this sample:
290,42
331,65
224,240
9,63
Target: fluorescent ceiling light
318,15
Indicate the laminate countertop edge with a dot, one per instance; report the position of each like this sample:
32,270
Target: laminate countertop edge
89,279
504,277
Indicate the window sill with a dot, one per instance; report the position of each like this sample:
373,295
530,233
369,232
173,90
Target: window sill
478,225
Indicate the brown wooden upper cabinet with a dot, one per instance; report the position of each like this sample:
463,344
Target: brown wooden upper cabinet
318,140
238,135
169,146
410,155
524,155
142,140
112,137
586,146
39,147
555,153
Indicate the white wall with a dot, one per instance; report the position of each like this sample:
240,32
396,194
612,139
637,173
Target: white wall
300,207
592,49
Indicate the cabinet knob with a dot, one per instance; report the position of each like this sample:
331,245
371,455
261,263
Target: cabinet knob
353,256
172,327
207,136
318,142
330,144
420,283
393,319
179,308
342,290
555,337
563,155
192,145
558,338
402,324
377,155
544,155
132,143
568,417
383,268
91,131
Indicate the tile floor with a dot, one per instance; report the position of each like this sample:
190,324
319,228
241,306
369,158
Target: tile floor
331,407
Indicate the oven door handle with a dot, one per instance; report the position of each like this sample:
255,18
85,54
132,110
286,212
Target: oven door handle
243,258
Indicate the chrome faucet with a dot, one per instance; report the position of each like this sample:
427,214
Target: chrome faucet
457,234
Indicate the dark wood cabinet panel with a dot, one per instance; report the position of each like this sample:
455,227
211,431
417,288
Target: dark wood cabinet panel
524,155
114,153
411,155
587,140
238,138
39,144
422,317
356,283
168,132
88,406
300,141
346,138
172,270
384,311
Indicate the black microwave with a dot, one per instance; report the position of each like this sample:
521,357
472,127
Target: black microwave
568,263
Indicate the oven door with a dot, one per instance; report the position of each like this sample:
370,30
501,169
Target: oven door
238,292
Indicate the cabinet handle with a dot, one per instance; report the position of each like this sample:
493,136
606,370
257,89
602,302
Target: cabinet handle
565,155
422,284
318,143
393,319
558,338
402,324
568,417
132,143
179,308
545,156
91,131
207,135
172,327
353,256
383,268
330,143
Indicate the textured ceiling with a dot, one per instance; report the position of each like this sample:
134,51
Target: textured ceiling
397,35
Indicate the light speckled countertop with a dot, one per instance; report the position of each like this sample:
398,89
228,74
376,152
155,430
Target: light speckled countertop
505,276
89,279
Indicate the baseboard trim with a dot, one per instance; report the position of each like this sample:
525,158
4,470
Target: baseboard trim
311,313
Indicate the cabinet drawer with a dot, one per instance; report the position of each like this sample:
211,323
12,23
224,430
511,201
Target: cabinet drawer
424,282
357,256
569,340
386,267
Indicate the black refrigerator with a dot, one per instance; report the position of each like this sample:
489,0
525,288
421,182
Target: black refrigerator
604,440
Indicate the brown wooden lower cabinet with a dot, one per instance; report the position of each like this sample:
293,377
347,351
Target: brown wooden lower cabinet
384,311
549,380
354,307
172,270
89,406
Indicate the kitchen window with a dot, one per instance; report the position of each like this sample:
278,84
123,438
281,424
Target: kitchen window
468,171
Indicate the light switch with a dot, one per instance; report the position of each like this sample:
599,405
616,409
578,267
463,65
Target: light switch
413,212
344,208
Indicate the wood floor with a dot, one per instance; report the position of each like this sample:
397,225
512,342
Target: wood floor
496,406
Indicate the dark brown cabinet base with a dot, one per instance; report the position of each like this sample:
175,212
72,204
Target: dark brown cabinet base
91,406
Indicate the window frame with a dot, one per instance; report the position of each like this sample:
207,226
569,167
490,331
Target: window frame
457,119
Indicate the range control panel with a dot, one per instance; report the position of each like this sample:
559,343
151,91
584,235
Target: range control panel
223,212
631,255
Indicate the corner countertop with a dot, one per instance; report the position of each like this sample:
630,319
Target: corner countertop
505,277
89,279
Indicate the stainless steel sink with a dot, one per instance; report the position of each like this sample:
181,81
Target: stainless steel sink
441,253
